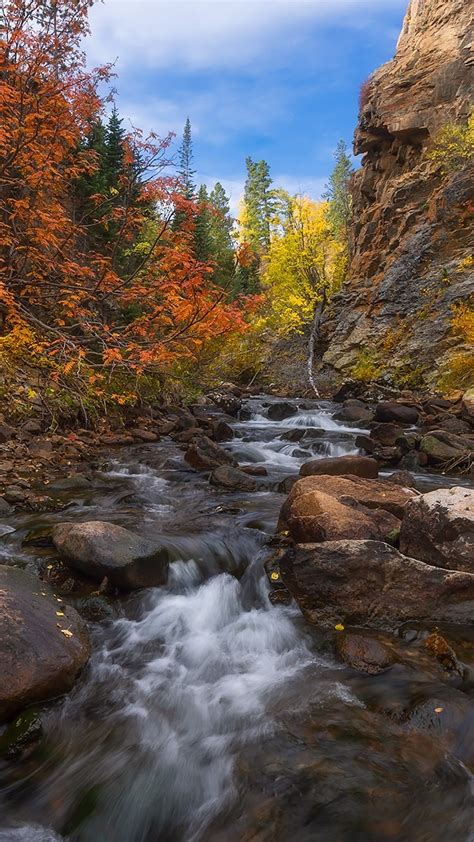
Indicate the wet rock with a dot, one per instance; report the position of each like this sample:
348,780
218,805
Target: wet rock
143,435
364,651
226,401
14,494
222,431
285,486
355,410
22,734
359,466
364,442
388,411
5,508
95,608
386,434
280,410
204,455
438,528
74,482
357,495
232,479
403,478
254,470
439,647
44,645
442,447
386,456
370,583
293,435
447,715
100,550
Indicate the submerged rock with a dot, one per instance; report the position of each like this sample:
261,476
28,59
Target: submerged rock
438,528
370,583
359,466
365,652
44,643
101,550
232,479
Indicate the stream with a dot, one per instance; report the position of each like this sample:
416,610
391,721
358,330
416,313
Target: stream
208,715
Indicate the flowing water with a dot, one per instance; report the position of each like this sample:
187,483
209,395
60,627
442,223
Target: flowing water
205,713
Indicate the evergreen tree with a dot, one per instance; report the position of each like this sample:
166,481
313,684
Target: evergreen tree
338,194
185,170
221,224
114,149
202,229
259,204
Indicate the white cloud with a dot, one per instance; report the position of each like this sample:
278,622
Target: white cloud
210,34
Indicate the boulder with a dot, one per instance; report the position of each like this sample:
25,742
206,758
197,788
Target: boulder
222,431
358,495
6,433
438,528
44,643
5,508
142,434
204,455
355,410
358,466
365,651
370,583
364,442
232,479
280,410
403,478
386,434
441,447
100,550
317,516
397,412
293,435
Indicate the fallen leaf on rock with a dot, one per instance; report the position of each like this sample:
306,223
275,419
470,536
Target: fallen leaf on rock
339,627
66,632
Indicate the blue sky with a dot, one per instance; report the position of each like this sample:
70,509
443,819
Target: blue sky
273,79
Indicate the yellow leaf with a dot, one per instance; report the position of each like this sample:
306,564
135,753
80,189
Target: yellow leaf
274,576
59,613
339,627
66,632
438,710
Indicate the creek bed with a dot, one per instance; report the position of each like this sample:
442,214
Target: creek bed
205,713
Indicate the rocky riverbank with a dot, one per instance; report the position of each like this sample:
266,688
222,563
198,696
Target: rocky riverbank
377,568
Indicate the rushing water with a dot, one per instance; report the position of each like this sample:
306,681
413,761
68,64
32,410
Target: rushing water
207,714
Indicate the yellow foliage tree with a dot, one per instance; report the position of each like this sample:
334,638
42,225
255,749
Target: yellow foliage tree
305,264
453,146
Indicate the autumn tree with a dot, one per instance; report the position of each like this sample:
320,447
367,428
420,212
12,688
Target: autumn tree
139,301
304,266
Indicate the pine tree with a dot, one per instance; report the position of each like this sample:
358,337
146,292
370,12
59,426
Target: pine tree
221,224
202,230
185,170
338,194
114,149
259,203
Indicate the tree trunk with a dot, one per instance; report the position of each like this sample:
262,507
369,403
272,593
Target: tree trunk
313,337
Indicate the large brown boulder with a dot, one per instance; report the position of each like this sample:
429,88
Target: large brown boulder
358,466
205,455
438,528
101,550
370,583
280,410
324,507
390,411
44,644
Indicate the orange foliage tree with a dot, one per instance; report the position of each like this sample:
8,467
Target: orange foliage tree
140,301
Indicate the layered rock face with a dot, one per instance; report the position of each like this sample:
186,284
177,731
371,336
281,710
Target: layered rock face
412,231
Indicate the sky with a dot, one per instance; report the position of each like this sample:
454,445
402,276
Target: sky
273,79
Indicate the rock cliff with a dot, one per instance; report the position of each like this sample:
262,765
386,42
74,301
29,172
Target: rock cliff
398,315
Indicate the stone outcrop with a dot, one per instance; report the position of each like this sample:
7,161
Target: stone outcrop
411,251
